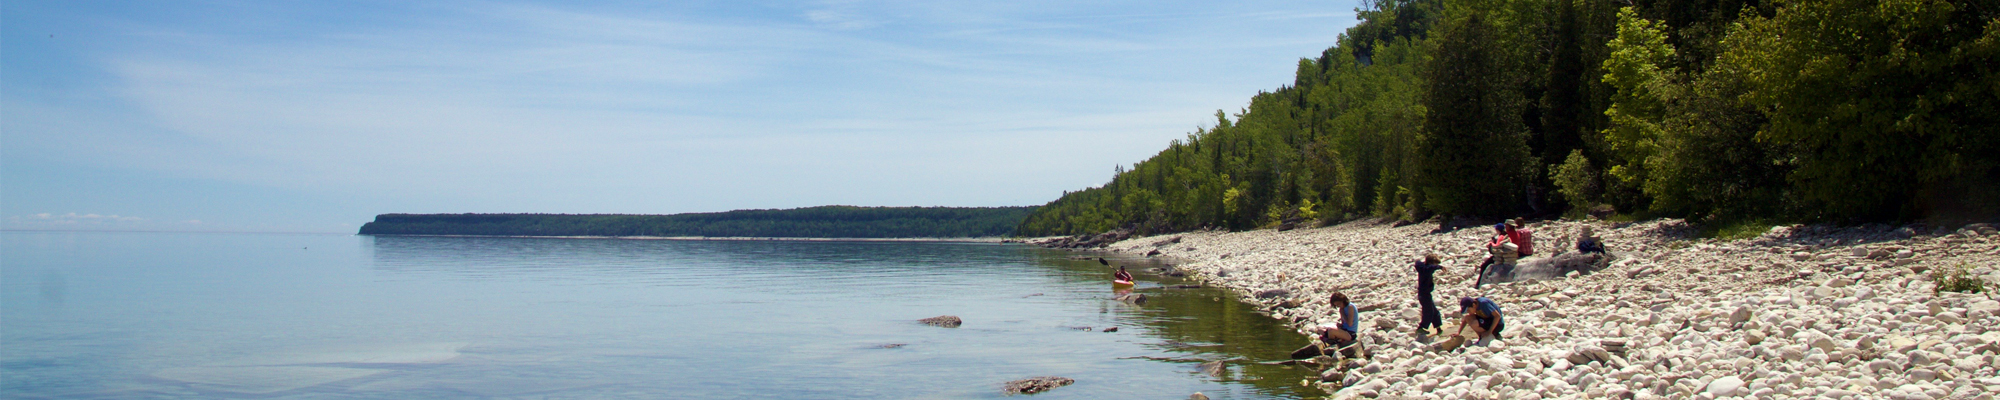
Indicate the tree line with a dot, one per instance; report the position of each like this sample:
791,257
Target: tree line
811,222
1712,110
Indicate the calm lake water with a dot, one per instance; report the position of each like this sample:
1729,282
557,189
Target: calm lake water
174,315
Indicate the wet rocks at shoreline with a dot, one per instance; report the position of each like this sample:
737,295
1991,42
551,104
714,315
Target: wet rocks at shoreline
1085,241
1800,311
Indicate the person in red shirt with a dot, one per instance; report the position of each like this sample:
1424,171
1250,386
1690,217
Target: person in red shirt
1518,233
1121,275
1499,247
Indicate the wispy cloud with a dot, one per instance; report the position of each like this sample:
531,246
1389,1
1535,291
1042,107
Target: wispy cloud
72,219
839,15
560,108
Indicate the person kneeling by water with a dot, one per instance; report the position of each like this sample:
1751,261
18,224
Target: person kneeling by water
1484,316
1338,336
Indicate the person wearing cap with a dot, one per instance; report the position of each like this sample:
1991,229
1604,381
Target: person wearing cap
1524,239
1484,316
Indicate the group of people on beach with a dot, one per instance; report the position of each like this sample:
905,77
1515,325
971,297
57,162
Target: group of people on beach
1511,242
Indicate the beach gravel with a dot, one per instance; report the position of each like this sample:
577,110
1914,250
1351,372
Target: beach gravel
1804,311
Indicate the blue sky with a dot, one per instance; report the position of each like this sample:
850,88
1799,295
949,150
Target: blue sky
298,116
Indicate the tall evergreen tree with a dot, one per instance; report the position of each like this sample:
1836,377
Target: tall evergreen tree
1473,145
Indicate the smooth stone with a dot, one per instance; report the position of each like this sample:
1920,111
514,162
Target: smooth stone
1883,367
1724,386
1792,353
1921,374
1901,344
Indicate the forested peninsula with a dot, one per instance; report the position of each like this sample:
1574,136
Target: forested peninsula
811,222
1718,111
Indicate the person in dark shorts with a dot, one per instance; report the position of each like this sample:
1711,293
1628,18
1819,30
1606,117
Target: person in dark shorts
1342,333
1484,316
1426,270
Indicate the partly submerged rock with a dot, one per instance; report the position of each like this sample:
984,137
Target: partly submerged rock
1035,385
1214,368
943,321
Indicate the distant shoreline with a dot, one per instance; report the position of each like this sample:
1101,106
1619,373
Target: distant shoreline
732,238
838,222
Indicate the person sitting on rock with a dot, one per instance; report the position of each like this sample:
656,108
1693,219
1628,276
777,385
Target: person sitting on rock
1589,242
1504,253
1121,275
1518,232
1341,334
1427,268
1484,316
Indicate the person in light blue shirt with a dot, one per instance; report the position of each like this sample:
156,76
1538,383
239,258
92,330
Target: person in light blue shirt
1343,333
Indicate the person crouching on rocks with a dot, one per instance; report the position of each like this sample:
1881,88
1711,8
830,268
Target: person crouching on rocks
1484,316
1343,333
1426,270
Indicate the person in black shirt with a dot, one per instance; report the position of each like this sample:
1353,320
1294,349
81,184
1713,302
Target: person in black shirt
1426,269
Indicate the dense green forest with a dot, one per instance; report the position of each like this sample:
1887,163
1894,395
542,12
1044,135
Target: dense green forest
1718,111
812,222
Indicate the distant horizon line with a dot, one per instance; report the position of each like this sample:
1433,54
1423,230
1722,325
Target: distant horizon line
174,231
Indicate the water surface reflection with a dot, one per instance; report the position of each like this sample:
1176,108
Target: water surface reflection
247,316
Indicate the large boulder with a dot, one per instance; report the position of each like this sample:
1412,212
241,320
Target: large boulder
1548,268
1585,354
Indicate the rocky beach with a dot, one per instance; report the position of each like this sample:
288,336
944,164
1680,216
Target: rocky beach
1806,311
